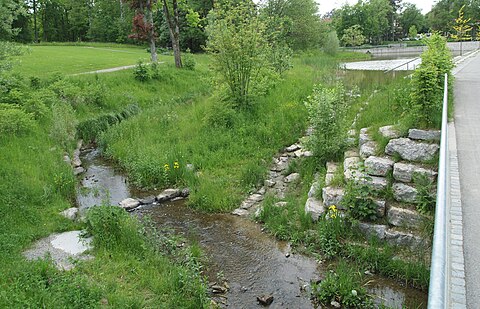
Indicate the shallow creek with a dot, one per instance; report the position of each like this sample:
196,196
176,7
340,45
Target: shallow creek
252,262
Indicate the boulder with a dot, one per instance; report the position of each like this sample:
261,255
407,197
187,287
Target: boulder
78,170
185,192
292,177
332,196
332,167
363,137
410,150
314,208
405,239
425,135
251,200
370,229
168,194
240,212
147,200
351,153
129,203
389,132
381,208
368,149
70,213
404,217
328,179
313,189
404,193
404,172
375,183
377,166
293,148
350,167
269,183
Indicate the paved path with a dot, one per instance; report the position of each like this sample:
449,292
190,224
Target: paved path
125,67
467,124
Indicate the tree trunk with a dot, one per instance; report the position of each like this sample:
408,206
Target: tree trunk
151,32
174,31
35,29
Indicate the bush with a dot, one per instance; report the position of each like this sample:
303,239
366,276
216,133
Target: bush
326,110
428,82
140,72
344,286
64,124
14,121
113,228
188,61
331,43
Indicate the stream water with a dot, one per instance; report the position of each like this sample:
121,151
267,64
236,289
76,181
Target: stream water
252,262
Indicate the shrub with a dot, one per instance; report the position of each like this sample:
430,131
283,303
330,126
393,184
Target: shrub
14,121
425,200
344,286
64,124
188,61
326,110
68,92
113,228
140,72
428,82
331,43
358,200
221,115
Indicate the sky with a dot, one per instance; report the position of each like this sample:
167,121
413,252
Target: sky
328,5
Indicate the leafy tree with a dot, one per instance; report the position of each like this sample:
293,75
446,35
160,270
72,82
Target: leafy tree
143,27
10,11
462,28
171,15
353,36
238,42
331,43
8,50
412,32
411,16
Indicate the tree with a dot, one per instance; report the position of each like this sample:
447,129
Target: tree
237,40
353,36
143,27
331,43
172,19
462,28
10,10
412,32
411,16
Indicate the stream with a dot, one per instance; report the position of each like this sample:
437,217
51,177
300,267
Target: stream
252,262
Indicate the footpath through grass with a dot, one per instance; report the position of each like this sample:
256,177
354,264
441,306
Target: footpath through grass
44,60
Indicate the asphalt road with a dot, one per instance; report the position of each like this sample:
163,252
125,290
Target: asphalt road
467,123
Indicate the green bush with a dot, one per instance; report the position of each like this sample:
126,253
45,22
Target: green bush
428,82
113,228
344,285
358,200
331,43
64,124
141,72
326,112
188,61
14,121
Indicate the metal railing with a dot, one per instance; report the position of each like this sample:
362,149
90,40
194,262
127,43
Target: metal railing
401,65
437,293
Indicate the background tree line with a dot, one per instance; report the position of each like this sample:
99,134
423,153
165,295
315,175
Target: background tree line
377,21
114,21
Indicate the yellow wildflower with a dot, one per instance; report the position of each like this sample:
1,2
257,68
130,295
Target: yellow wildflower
166,167
333,211
176,165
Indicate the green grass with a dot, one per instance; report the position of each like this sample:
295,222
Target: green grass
42,61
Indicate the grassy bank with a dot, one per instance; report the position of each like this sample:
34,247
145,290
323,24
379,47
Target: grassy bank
179,121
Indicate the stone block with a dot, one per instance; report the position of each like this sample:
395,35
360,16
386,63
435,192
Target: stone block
411,150
404,217
404,193
369,229
425,135
389,132
332,196
314,208
377,166
168,194
404,172
368,149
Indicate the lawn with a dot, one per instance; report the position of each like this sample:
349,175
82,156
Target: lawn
42,60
